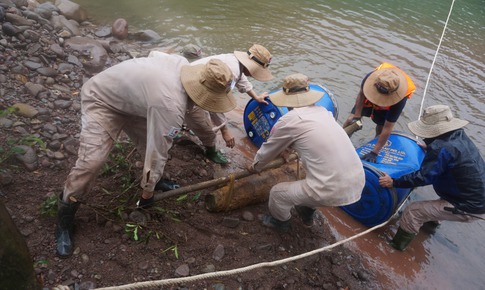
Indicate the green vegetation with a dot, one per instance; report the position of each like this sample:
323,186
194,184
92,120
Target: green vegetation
49,206
11,146
174,249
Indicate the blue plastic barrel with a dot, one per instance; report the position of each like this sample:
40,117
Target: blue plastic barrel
401,155
260,118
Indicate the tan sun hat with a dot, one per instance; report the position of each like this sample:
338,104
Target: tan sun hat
257,60
296,92
386,87
436,120
209,85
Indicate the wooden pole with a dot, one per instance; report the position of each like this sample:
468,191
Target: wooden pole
222,180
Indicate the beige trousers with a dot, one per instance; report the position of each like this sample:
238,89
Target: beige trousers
283,196
95,146
419,212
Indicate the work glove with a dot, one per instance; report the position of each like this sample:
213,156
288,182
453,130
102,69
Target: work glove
370,157
166,185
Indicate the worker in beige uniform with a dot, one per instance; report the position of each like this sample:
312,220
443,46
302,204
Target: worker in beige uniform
334,171
254,63
147,99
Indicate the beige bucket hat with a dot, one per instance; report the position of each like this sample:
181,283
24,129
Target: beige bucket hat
296,92
386,87
209,85
436,120
257,60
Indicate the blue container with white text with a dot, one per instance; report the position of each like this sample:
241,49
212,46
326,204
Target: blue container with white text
401,155
260,118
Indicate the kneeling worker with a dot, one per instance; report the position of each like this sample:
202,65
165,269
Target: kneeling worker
334,172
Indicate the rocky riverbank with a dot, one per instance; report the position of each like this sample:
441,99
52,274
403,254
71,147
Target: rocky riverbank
47,51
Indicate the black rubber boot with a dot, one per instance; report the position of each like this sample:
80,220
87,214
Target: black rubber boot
166,185
306,214
271,222
401,240
65,226
430,227
145,203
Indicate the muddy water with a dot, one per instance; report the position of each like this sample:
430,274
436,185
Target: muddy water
336,43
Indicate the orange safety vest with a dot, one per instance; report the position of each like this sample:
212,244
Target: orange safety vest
409,92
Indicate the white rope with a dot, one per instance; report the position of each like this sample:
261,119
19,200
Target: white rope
149,284
434,59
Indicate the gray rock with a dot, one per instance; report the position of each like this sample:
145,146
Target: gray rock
47,71
18,20
46,9
103,32
74,60
57,49
10,29
182,271
247,216
138,217
27,156
63,104
32,65
94,54
147,35
34,16
65,68
230,222
209,268
34,89
218,253
71,10
6,123
60,22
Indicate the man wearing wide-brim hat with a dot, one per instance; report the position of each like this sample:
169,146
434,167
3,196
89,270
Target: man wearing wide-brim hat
147,99
382,97
455,168
254,63
334,172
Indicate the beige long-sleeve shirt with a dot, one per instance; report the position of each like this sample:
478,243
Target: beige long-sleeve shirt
334,172
144,87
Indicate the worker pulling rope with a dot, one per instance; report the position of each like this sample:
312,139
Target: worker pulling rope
150,284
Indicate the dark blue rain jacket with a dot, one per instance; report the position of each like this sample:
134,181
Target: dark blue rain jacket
456,170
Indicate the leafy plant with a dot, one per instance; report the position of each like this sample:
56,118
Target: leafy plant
49,206
174,249
185,197
116,162
41,263
132,230
6,112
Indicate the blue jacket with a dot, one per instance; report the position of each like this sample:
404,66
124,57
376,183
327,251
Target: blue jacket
456,170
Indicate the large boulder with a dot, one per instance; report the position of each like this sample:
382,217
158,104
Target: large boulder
72,10
92,54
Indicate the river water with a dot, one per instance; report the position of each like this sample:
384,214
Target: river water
336,43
